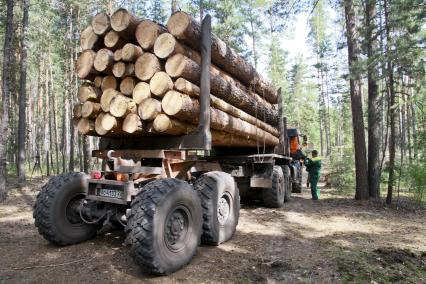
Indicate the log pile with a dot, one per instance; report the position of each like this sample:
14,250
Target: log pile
142,79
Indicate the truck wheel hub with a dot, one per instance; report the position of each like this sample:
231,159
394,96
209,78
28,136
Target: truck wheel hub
223,208
176,229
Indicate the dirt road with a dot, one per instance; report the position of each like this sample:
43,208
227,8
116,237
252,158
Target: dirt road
333,240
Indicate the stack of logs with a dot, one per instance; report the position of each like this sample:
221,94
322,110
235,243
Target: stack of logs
142,79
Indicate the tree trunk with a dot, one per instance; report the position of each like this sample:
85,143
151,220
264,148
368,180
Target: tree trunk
85,64
374,103
131,52
107,97
127,86
186,109
192,90
362,192
160,83
140,92
122,69
391,90
183,27
124,23
109,82
90,109
23,95
120,106
113,41
4,126
181,66
104,61
133,124
149,109
87,92
111,123
87,163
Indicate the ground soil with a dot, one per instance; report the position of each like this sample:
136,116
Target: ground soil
333,240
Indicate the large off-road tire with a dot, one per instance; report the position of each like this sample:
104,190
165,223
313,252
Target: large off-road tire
164,226
287,183
220,201
56,210
273,197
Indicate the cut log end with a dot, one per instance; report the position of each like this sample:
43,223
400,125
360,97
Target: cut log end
164,45
130,52
87,92
121,106
127,86
179,65
85,62
178,24
88,38
76,111
86,126
110,123
147,33
107,97
112,40
146,66
101,23
90,109
141,92
160,83
132,124
121,19
117,55
172,103
104,60
109,82
149,109
98,125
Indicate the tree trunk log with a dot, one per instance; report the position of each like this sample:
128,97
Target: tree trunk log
107,97
132,124
149,109
125,23
88,92
146,66
160,83
184,108
98,81
90,109
121,105
109,82
85,64
101,24
183,27
104,61
147,33
86,126
192,90
131,52
117,55
98,125
121,69
113,41
76,111
127,86
89,40
111,123
181,66
141,92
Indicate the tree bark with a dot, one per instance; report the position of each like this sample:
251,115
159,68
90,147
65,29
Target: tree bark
4,126
186,109
181,66
362,192
183,27
374,103
23,95
192,90
391,90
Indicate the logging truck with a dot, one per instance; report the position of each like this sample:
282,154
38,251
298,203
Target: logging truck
169,192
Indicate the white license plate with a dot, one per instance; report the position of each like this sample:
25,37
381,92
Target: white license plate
112,193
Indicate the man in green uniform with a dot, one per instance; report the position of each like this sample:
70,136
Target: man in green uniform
313,166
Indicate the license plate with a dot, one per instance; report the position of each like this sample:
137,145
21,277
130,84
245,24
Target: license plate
112,193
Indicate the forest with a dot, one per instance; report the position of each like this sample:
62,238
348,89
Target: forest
357,88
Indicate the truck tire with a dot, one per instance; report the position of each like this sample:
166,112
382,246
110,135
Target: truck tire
287,183
220,201
273,197
56,210
164,226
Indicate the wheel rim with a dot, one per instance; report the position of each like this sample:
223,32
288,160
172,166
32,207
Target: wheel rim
223,208
72,213
177,228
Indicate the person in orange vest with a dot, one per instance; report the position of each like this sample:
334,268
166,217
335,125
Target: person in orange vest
313,167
